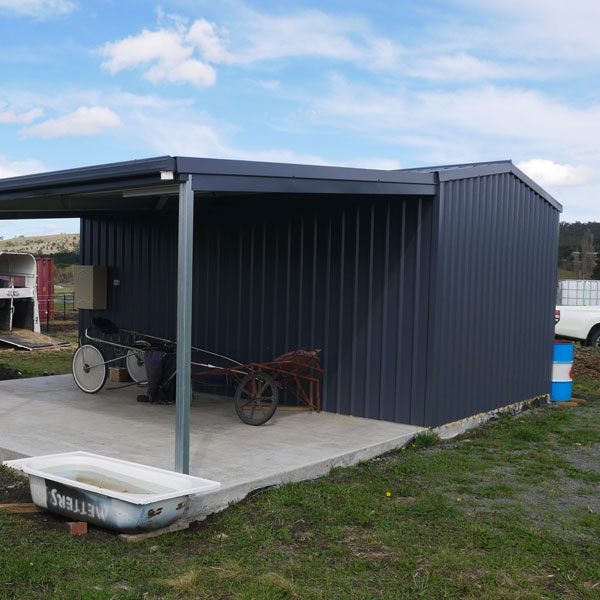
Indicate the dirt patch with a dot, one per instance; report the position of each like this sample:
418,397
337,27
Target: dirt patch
63,328
586,362
8,373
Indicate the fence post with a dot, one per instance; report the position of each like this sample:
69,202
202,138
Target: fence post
64,307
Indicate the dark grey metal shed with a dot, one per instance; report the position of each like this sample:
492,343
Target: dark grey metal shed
430,291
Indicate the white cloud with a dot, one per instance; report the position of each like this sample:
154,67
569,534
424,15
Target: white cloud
317,34
191,71
535,29
15,168
268,84
84,121
512,113
169,52
11,116
149,101
178,54
182,53
210,42
371,162
579,203
52,227
163,45
189,132
548,173
464,67
198,134
37,8
486,121
59,101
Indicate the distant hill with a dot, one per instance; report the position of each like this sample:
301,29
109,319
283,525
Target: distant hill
63,246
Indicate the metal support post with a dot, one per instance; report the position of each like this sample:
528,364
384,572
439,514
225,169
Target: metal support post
184,326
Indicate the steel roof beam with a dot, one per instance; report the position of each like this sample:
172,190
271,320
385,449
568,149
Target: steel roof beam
241,168
282,185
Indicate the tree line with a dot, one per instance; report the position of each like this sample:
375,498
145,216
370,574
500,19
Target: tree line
578,249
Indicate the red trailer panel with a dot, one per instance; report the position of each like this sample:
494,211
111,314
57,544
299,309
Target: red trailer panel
45,287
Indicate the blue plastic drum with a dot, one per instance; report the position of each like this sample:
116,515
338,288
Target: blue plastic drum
562,371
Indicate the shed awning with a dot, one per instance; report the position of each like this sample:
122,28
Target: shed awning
153,184
177,183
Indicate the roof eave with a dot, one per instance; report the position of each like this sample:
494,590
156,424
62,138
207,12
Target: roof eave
89,175
237,176
479,170
248,168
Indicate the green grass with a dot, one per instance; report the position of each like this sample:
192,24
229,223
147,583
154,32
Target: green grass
38,362
467,519
585,388
47,361
566,274
63,288
426,440
496,490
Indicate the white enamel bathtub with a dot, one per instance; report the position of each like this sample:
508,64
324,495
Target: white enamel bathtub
109,492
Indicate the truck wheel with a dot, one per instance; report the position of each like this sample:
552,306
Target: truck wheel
594,339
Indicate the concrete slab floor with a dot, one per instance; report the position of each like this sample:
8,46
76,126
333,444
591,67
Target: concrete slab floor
50,415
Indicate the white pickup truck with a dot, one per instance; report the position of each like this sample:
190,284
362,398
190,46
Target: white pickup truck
579,323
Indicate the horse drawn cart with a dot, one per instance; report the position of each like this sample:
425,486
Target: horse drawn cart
257,384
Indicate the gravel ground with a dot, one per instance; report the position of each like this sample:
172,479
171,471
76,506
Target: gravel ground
556,500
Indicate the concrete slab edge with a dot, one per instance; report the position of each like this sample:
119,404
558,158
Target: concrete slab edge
450,430
6,454
204,505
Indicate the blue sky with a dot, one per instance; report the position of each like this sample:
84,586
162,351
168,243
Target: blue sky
376,84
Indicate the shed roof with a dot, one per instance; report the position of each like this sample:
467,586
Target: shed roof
467,170
152,183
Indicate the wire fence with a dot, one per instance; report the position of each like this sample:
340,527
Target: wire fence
56,307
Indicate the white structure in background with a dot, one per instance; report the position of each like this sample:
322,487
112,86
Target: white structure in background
18,292
578,292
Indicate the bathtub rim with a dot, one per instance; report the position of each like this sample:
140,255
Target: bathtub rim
189,484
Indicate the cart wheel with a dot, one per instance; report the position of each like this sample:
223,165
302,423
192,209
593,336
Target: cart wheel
89,368
136,367
256,404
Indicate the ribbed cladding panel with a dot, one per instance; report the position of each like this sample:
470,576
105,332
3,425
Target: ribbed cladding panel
349,276
493,288
142,255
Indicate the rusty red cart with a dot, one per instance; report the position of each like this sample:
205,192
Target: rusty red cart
258,384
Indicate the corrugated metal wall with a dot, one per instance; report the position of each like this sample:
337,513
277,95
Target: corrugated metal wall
350,276
494,284
354,276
